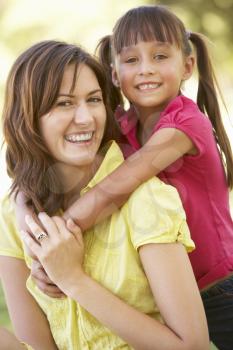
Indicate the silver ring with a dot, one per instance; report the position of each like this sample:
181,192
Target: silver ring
41,236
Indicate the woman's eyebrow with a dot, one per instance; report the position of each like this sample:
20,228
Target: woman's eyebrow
94,92
65,95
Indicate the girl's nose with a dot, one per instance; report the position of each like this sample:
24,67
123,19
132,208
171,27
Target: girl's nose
146,68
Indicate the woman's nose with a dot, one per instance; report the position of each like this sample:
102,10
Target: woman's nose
82,115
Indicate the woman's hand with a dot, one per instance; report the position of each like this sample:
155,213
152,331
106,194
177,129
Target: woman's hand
59,248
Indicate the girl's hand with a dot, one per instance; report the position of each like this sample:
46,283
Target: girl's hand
59,248
43,282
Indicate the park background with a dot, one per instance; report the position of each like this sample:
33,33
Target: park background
24,22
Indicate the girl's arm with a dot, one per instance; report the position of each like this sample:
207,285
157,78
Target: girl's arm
170,276
29,322
162,149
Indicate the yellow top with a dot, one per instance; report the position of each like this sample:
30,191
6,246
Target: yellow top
153,214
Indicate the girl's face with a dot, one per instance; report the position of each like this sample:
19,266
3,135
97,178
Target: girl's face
73,129
150,74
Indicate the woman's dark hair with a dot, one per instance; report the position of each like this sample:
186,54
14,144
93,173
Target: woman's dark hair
148,23
31,91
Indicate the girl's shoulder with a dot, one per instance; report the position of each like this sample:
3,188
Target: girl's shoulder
183,114
183,110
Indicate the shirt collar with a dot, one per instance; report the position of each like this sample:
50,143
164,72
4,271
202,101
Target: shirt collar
113,157
127,119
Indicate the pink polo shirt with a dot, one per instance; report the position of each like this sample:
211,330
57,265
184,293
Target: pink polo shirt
201,183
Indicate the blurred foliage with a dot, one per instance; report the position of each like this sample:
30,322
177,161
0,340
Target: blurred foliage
4,317
214,19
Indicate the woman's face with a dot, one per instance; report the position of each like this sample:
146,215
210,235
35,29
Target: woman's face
73,129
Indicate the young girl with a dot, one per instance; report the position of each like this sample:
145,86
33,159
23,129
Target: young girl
132,287
149,56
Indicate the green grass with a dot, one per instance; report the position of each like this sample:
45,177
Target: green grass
4,317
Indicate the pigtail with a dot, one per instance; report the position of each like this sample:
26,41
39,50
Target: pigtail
103,51
207,100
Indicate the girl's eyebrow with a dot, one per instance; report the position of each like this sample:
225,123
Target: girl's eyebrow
89,93
156,44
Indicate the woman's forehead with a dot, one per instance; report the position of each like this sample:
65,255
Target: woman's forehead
78,78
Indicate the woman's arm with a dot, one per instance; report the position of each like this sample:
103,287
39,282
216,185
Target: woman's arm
29,322
161,150
8,341
170,276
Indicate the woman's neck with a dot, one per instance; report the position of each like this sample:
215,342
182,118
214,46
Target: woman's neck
77,178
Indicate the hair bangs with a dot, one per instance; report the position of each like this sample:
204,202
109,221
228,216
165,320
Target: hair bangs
146,23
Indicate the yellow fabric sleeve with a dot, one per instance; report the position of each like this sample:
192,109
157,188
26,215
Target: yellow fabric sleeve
156,215
10,242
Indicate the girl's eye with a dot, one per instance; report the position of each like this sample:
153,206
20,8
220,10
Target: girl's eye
160,57
131,60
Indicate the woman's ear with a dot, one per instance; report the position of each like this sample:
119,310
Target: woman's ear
188,67
114,76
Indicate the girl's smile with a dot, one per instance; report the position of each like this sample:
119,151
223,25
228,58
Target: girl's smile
150,74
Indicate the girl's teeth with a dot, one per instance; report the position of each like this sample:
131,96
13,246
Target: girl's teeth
79,137
148,86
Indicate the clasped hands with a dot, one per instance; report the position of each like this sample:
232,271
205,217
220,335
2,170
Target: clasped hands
59,248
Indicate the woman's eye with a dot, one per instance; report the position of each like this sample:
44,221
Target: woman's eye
95,99
64,103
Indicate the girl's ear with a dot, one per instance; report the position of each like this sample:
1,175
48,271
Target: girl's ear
114,76
188,67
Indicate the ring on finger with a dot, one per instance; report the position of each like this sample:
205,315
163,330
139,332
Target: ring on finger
41,236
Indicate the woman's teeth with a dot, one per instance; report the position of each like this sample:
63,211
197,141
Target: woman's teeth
79,137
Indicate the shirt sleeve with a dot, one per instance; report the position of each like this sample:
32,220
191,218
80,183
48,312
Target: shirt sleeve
193,123
10,242
156,215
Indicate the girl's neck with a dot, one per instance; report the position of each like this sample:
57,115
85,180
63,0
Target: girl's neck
147,120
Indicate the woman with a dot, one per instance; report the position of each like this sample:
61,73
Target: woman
57,122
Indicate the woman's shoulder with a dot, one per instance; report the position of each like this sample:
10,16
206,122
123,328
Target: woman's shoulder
10,242
158,195
6,208
156,215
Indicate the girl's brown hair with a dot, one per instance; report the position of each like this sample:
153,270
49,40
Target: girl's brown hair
148,23
31,91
